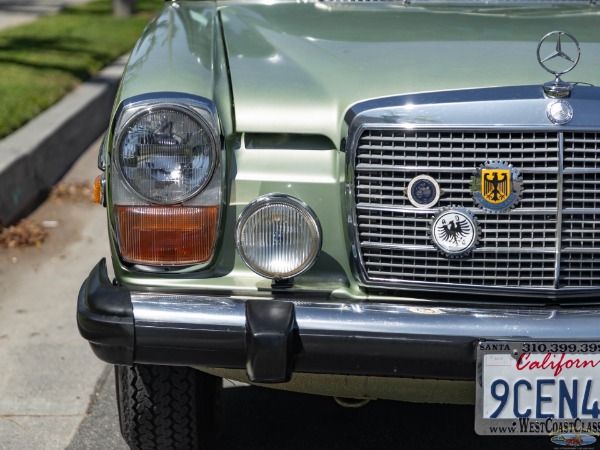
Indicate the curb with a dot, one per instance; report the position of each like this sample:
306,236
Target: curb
35,157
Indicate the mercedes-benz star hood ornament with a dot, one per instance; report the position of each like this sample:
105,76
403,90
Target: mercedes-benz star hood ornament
561,54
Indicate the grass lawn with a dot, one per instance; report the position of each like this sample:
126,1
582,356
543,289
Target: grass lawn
40,62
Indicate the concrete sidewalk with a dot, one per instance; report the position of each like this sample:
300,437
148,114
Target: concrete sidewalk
36,156
49,373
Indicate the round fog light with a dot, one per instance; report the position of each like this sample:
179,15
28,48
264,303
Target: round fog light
278,236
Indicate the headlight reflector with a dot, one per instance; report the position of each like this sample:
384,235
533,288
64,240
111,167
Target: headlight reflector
166,155
278,236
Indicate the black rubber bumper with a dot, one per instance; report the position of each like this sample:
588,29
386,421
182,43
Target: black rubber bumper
265,347
273,337
105,317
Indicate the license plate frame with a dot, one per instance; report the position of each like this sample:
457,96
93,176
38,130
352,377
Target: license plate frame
501,365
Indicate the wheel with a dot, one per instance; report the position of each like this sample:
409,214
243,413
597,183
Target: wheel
163,407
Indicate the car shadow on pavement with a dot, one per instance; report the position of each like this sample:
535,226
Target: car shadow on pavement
257,418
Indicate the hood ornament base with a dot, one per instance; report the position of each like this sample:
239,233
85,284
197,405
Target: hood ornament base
558,89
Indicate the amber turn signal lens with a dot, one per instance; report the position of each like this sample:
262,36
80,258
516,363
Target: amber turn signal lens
98,189
166,235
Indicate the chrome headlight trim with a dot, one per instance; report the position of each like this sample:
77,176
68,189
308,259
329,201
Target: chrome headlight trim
198,110
294,206
119,191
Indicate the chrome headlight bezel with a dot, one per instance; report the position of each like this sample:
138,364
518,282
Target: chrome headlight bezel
125,202
202,113
294,205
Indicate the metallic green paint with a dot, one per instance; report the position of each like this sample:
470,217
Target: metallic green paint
181,50
176,50
298,67
293,69
259,172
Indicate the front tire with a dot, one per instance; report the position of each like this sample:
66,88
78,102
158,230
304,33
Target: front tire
163,407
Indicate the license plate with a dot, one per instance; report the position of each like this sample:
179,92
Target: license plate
537,388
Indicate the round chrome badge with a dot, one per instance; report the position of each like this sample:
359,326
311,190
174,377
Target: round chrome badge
559,112
454,231
496,186
423,191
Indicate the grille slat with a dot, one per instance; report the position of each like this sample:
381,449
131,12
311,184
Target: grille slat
516,249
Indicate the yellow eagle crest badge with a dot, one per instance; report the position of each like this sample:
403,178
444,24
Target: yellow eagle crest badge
496,186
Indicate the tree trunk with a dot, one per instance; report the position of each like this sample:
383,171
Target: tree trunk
123,8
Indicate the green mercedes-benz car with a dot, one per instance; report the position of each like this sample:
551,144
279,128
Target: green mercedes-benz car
364,200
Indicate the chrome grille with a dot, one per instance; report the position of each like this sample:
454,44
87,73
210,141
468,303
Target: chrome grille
580,246
517,249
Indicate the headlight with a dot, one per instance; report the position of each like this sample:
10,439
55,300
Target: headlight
165,180
278,236
166,155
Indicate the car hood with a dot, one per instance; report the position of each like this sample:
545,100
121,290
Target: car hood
297,68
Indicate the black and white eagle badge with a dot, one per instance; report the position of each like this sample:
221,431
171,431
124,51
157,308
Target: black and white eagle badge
454,231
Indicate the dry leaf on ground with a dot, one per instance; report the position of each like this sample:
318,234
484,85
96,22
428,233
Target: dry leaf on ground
25,234
72,191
